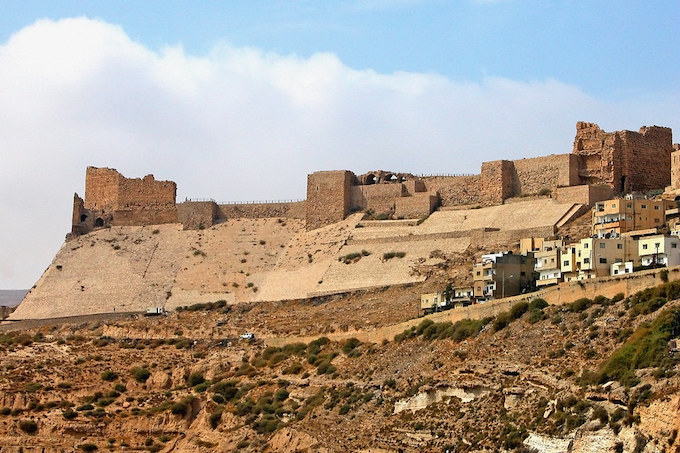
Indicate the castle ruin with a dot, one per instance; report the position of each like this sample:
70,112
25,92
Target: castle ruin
601,165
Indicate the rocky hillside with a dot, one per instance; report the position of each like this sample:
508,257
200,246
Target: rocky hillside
128,269
593,375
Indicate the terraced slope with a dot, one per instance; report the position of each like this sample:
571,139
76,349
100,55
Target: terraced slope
245,260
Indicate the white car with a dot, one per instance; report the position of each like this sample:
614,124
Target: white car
247,336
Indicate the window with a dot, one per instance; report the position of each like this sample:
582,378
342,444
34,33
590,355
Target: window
656,220
586,260
603,260
616,271
566,263
656,208
613,205
629,205
602,245
644,206
674,245
619,246
479,273
585,246
522,273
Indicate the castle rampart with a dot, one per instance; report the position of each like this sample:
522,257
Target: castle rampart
604,163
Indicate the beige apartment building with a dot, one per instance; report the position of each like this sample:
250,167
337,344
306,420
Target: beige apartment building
660,250
613,217
593,257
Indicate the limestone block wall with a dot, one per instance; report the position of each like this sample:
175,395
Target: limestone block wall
414,186
328,197
646,158
293,210
101,188
456,190
146,192
143,215
196,214
498,181
584,194
416,206
545,172
675,167
377,197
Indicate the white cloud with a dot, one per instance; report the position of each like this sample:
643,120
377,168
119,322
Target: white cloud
242,124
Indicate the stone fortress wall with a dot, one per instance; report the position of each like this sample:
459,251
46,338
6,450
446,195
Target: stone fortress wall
602,164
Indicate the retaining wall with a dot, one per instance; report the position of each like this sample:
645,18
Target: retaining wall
555,295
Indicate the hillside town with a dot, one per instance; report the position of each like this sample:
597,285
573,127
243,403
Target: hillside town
628,235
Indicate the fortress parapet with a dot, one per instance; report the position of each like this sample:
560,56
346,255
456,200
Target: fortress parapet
601,165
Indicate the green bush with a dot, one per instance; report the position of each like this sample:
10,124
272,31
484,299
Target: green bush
109,375
69,414
227,389
651,299
182,407
601,300
215,417
580,305
349,345
536,315
293,368
140,374
646,348
538,303
195,379
32,387
28,426
390,255
501,322
663,274
617,297
518,309
281,394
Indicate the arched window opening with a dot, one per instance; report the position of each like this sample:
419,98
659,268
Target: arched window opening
99,222
83,217
370,179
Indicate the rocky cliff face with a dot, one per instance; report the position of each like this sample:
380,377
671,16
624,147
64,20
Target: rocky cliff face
591,376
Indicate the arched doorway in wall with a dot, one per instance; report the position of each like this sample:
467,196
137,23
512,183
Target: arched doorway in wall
370,179
83,217
391,178
99,222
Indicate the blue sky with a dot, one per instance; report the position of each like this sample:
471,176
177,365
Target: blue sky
240,100
611,48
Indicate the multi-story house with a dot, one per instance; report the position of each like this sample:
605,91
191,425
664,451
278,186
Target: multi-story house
659,250
548,263
613,217
593,257
502,275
